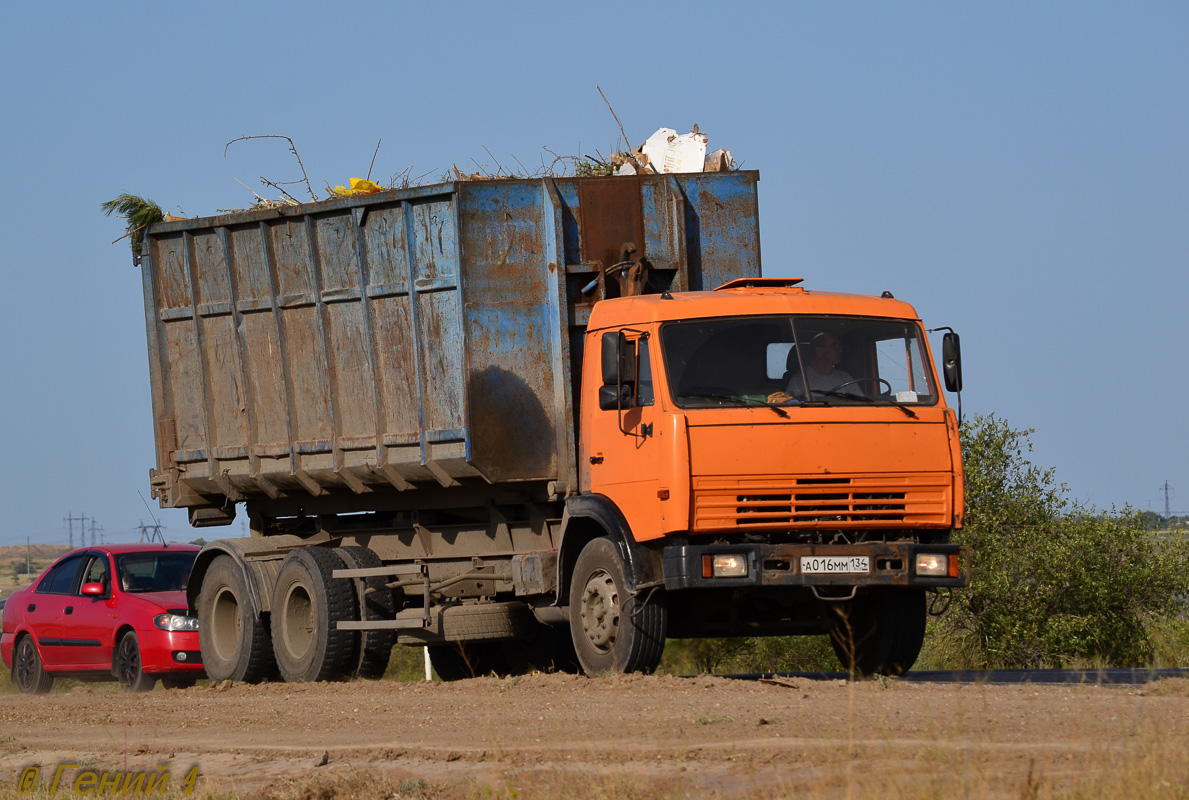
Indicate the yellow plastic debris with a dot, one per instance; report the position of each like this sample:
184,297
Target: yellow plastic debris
358,186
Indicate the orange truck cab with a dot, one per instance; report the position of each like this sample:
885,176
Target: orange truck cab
763,506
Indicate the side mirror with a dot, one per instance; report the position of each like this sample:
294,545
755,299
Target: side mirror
93,589
951,361
614,397
618,357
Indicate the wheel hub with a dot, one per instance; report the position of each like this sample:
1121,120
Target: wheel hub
25,666
600,610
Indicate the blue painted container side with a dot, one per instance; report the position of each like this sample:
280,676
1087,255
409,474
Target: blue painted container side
411,338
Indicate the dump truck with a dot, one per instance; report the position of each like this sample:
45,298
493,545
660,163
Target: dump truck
539,424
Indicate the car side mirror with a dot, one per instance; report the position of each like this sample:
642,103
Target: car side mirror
951,361
93,589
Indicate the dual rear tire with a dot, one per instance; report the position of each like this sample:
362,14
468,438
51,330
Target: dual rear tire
300,641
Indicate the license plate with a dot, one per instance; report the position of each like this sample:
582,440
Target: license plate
835,565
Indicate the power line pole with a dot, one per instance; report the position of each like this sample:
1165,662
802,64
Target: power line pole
70,518
28,560
1166,488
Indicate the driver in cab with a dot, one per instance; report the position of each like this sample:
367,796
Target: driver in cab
822,370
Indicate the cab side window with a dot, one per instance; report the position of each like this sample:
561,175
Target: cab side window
63,577
644,370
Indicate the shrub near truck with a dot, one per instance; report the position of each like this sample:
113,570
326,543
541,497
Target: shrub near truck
515,421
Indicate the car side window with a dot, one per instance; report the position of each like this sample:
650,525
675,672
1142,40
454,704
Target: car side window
97,572
63,577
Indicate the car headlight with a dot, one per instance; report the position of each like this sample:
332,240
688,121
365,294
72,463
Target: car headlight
175,622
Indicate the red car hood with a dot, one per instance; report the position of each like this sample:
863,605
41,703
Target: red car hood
164,600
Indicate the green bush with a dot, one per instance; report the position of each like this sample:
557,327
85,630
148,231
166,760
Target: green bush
749,655
1052,584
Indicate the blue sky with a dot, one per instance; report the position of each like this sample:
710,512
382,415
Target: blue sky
1019,171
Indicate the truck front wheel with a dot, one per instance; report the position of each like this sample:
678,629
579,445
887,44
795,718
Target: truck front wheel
879,632
234,640
614,629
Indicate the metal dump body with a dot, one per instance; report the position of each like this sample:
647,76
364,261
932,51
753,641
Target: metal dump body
411,338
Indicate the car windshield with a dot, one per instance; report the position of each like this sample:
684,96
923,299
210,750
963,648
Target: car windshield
155,572
791,360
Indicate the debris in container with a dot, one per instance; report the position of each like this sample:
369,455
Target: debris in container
358,186
667,151
719,161
140,213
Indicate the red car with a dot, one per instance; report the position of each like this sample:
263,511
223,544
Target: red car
115,611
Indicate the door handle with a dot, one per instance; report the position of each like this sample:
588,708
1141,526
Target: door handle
31,607
69,609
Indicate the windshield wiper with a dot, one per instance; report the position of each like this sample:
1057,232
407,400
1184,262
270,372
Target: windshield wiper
780,412
871,401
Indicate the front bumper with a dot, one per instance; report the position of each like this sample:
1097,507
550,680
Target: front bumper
890,564
169,651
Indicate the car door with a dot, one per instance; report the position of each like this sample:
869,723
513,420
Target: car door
46,609
88,623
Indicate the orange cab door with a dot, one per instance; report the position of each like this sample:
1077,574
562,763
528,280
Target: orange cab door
620,447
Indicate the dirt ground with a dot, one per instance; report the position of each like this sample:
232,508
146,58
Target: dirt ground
625,736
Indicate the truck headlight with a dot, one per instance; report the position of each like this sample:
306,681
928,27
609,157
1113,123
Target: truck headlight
938,565
724,565
175,622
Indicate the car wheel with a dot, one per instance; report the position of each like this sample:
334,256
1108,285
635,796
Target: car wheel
129,670
28,673
307,605
176,682
234,640
613,628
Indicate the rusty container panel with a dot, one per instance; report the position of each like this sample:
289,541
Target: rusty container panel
411,338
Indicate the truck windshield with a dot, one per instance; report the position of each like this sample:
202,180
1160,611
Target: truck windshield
791,360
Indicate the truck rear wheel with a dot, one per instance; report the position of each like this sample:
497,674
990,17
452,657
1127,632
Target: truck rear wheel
879,632
307,604
234,640
375,647
614,629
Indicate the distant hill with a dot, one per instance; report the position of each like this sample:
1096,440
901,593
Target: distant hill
37,552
